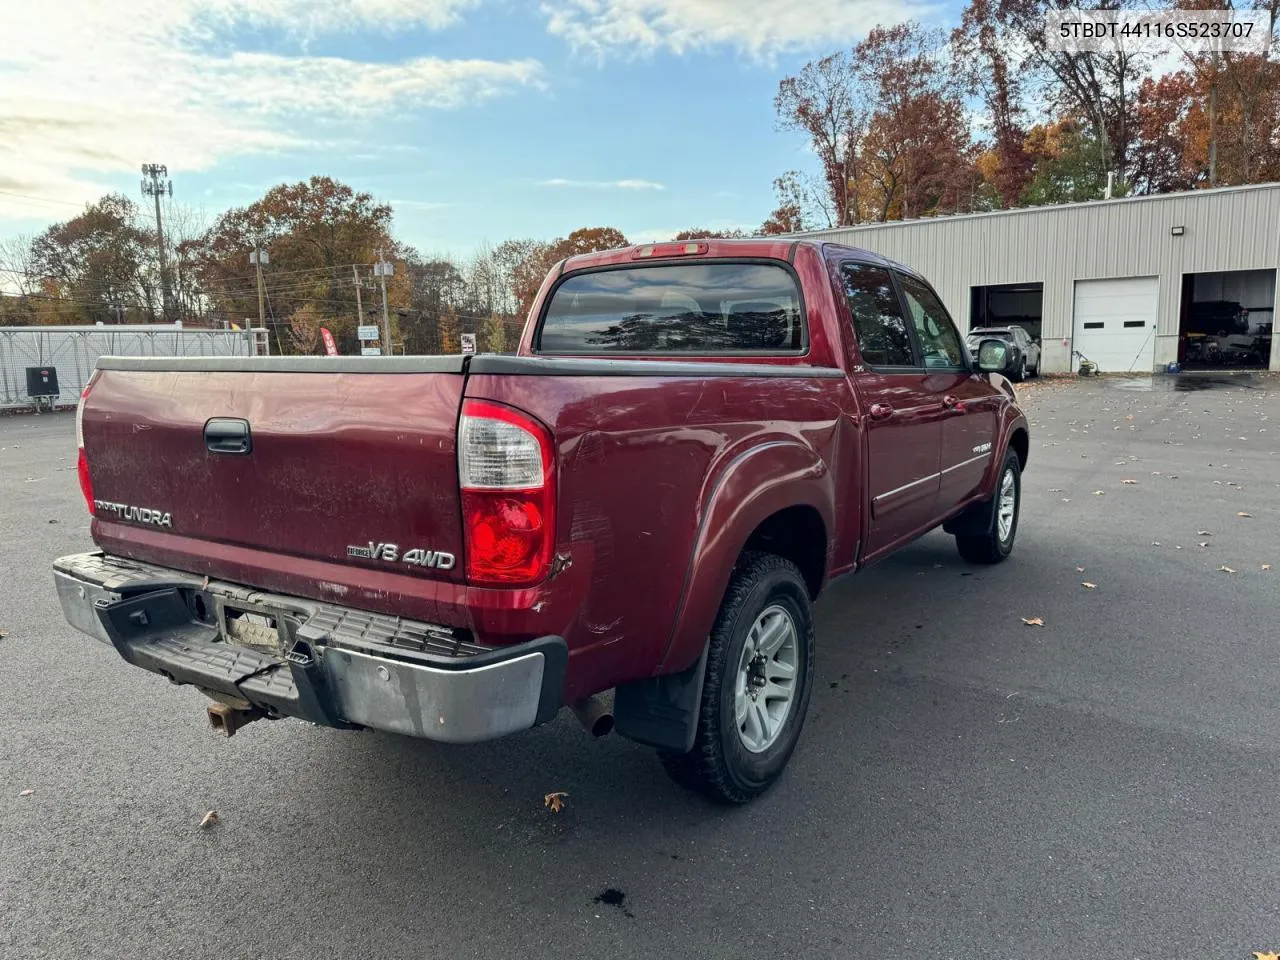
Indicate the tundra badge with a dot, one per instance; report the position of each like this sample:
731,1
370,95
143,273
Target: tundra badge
124,511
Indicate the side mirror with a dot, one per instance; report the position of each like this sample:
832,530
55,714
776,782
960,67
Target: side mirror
993,355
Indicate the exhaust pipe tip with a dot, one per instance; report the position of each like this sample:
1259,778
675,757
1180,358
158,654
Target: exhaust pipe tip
594,715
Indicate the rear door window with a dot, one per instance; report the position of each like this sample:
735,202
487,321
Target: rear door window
707,308
882,334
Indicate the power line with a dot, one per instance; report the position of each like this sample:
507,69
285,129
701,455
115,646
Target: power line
24,196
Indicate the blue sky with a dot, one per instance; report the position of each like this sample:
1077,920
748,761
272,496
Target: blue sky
478,120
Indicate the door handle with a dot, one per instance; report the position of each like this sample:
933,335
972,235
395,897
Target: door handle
228,435
954,404
880,411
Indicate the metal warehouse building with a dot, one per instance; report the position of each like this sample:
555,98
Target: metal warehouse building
1131,284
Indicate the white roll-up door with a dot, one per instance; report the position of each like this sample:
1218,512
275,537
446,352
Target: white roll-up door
1115,323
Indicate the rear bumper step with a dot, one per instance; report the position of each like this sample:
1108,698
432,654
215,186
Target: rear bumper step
315,661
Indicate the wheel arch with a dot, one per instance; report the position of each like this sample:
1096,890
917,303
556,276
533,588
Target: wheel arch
777,497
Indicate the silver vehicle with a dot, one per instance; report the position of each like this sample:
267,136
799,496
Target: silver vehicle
1026,359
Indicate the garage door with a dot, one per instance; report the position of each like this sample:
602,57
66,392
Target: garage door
1115,323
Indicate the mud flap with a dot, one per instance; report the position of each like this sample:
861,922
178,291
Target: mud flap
661,711
972,522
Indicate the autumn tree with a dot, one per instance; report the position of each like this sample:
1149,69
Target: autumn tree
531,269
887,124
100,263
314,232
917,155
784,219
826,102
1168,153
983,63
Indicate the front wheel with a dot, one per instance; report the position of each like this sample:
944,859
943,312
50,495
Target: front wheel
997,520
758,678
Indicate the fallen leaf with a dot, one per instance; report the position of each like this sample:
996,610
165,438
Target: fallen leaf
1266,956
1079,569
1066,499
1129,417
1155,543
1129,482
1055,489
3,634
1089,586
26,793
209,819
1242,514
1033,621
1099,493
554,801
1203,533
1203,543
1266,566
1225,569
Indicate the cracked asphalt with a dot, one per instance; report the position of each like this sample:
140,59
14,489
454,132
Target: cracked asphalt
966,787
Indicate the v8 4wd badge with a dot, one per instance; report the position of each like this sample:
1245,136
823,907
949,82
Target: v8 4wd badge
390,553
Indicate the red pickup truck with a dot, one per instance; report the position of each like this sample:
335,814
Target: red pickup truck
692,440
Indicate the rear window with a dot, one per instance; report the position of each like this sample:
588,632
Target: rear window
713,307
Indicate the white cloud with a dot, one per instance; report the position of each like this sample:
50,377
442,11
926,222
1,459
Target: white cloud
106,85
759,28
603,184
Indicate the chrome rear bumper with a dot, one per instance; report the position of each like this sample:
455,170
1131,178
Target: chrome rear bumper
314,661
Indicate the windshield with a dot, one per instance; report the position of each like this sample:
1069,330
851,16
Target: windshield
715,307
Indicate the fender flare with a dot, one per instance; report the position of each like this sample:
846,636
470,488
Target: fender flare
755,484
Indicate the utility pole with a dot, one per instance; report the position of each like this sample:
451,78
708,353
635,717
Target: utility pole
384,270
355,272
258,257
156,183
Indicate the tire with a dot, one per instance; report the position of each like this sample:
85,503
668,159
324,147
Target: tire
1022,371
995,542
734,759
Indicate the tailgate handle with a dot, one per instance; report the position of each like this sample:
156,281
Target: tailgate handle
228,435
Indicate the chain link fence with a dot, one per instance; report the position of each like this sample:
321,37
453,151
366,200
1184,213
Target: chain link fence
73,352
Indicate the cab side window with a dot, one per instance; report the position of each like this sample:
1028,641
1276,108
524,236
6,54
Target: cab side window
883,338
939,341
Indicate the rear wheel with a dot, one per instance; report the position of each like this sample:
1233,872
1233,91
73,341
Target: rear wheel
756,691
996,522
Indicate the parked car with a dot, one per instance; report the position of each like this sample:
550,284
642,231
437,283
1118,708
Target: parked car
692,442
1026,350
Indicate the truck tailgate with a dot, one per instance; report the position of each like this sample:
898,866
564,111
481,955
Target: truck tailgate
344,459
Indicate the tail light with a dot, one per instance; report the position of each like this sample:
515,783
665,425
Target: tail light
82,462
506,473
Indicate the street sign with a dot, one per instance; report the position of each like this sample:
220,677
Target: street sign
367,331
370,351
330,348
468,343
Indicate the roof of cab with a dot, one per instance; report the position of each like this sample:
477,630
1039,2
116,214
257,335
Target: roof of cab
772,248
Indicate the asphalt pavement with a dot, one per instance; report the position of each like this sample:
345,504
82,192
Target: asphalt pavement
967,786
